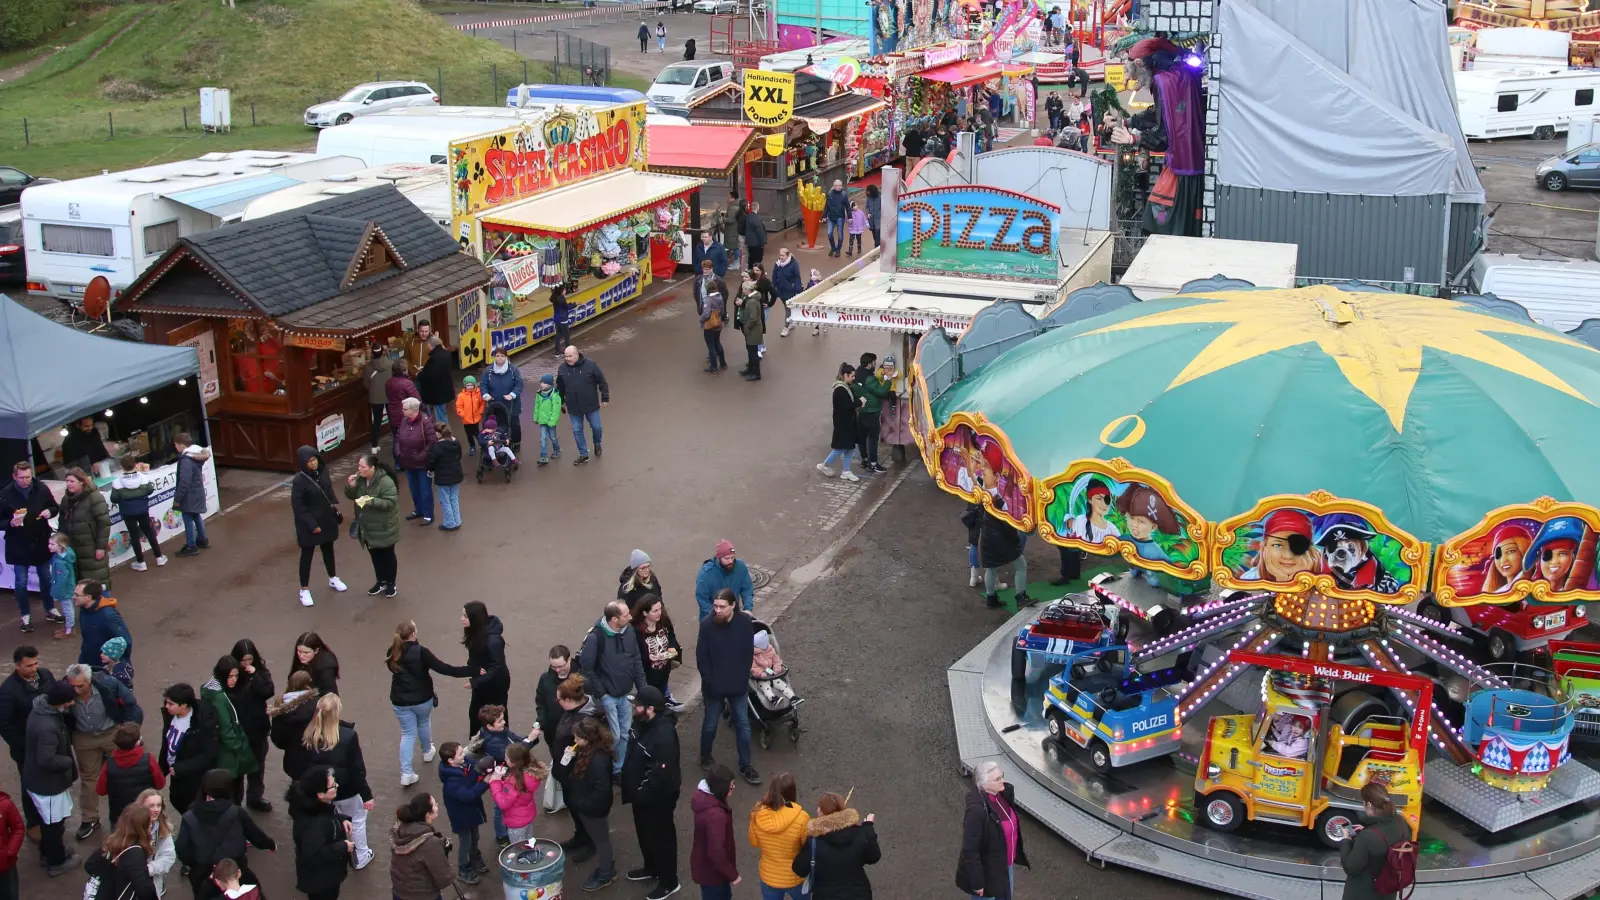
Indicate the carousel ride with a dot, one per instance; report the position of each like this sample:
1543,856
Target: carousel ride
1352,522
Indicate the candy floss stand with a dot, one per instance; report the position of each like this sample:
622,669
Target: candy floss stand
532,870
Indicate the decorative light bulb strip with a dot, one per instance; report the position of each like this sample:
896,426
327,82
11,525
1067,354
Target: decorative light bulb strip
1116,600
1417,640
1446,628
1189,637
1216,607
1203,688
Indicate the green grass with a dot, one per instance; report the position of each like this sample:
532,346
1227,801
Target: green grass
75,160
74,32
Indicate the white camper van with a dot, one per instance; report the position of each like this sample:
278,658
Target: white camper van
426,185
118,223
1557,293
1524,101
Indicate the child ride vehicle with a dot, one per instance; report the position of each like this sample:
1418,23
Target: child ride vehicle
1112,710
1518,727
1291,764
1508,629
1066,627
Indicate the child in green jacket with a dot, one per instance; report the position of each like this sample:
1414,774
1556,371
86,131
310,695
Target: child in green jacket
546,414
63,580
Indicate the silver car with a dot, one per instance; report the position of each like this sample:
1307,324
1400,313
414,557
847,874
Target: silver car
366,99
1579,168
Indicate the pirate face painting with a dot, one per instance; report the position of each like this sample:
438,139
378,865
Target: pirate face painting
1526,551
1097,512
1288,542
977,464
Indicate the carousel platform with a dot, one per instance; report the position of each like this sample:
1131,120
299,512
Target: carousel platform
1142,816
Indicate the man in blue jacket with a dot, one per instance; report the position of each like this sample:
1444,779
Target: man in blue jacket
836,208
723,570
98,622
710,249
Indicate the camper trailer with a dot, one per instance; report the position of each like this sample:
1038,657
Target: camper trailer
1524,101
1557,292
426,185
118,223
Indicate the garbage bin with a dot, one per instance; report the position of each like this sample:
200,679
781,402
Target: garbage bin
532,870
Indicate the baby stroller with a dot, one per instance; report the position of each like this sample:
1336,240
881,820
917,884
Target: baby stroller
772,701
494,432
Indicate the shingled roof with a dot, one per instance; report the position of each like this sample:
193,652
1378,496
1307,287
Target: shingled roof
281,266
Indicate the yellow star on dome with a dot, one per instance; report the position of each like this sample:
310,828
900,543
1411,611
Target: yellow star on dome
1376,339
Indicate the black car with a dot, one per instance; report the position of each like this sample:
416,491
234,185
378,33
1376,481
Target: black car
13,265
13,180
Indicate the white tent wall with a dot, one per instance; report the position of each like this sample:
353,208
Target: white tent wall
1291,121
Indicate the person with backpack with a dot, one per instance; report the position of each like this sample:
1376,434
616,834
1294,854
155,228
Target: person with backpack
1378,856
121,868
128,771
215,829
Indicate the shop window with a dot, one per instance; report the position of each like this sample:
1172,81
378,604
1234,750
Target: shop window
332,368
77,239
257,354
1584,97
1508,103
765,169
160,238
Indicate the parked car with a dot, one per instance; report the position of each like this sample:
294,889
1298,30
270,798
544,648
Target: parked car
717,6
682,83
13,180
366,99
1575,168
13,262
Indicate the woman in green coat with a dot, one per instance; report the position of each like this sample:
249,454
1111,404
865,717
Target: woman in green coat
235,754
754,329
374,488
86,519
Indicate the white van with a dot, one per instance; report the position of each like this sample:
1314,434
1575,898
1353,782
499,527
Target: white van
1524,101
1557,293
117,224
680,84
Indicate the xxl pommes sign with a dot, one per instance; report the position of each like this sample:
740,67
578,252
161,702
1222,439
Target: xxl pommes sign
514,174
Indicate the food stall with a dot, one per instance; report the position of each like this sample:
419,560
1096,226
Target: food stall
821,142
716,154
291,307
562,200
139,396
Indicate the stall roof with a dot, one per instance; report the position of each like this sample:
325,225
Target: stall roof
591,203
963,72
305,269
698,149
38,393
838,108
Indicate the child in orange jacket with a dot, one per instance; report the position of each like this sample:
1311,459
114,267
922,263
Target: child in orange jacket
469,406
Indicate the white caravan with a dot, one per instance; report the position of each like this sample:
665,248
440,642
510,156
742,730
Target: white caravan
423,135
426,185
1524,101
117,224
1557,292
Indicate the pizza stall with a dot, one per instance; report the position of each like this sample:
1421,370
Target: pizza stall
563,200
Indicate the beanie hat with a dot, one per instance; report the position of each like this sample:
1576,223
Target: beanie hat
115,647
60,692
650,698
724,547
638,558
547,378
762,641
469,381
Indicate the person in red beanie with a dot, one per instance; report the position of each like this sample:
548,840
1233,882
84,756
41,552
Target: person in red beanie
724,570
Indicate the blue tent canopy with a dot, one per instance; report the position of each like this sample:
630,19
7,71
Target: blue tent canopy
51,374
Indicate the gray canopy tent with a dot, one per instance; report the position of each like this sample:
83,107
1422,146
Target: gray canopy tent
51,374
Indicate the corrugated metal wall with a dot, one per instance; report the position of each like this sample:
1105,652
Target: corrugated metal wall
1343,236
1464,220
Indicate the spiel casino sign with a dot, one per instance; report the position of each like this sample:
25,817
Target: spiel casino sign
977,232
563,147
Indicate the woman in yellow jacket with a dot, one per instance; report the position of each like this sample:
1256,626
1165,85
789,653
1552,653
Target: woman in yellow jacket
778,831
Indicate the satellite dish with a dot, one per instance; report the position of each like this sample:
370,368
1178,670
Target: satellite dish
97,298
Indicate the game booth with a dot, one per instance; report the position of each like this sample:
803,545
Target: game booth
140,397
562,200
1333,536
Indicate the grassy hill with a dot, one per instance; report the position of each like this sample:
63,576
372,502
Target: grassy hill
132,73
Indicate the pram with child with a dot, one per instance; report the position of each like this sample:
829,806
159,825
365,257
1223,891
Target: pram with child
772,700
494,433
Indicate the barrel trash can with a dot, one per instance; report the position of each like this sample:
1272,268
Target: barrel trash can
532,870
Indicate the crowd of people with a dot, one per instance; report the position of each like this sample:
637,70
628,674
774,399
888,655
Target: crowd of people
603,719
